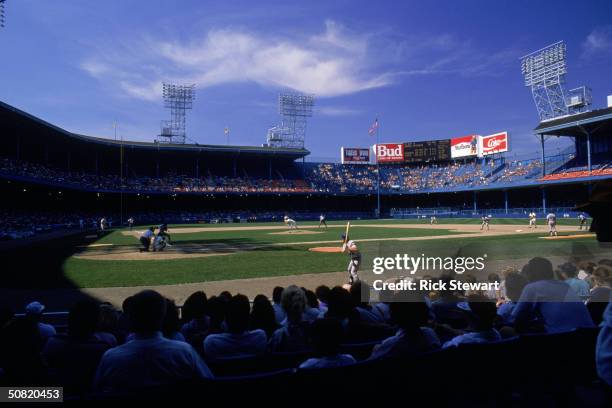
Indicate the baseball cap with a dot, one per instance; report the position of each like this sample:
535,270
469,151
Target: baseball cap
34,308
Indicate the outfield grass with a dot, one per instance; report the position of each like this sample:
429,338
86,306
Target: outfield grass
291,259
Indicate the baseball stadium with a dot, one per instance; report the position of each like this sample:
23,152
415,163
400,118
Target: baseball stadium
278,270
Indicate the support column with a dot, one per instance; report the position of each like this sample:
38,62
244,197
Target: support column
544,200
588,135
506,200
543,157
475,204
197,168
157,167
234,165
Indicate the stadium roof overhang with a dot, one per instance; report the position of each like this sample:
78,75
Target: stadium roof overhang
593,123
14,121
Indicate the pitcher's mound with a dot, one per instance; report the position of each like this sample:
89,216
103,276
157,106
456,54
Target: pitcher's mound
326,249
575,236
295,232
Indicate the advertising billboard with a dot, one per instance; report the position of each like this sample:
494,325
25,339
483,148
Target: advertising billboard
427,151
495,143
389,152
354,155
464,146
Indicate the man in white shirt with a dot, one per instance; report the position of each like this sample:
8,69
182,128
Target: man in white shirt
149,360
238,341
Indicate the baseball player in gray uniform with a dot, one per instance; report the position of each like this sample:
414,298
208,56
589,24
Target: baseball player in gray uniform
350,246
552,224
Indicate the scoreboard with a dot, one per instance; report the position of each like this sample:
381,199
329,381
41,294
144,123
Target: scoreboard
427,151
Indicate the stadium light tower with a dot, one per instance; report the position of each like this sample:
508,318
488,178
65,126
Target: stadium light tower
2,13
545,72
294,110
178,98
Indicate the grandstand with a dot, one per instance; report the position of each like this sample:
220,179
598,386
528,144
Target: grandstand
55,182
42,159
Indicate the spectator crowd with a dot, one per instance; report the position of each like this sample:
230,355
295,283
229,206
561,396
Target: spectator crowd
151,342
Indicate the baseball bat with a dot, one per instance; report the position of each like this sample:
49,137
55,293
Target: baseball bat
346,233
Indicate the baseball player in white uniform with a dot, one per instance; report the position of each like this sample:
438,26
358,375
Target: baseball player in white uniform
130,222
583,219
532,220
322,221
485,222
433,220
552,224
290,223
350,246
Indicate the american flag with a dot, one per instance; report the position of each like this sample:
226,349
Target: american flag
373,128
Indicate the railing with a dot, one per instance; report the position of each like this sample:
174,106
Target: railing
449,212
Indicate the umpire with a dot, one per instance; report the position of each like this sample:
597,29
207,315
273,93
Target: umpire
145,239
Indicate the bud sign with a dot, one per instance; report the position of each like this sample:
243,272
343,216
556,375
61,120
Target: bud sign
389,152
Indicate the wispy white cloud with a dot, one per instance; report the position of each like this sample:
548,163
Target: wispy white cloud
337,111
598,42
335,62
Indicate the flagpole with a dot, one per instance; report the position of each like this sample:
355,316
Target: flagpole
377,173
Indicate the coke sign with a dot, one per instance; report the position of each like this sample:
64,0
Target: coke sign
496,143
389,152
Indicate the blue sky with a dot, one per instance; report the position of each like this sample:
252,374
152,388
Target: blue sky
426,69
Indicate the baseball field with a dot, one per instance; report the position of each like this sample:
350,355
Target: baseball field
202,253
252,258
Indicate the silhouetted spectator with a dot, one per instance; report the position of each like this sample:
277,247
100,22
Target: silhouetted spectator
279,312
548,303
238,341
262,315
293,335
34,312
196,323
483,314
412,337
326,338
150,360
73,358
